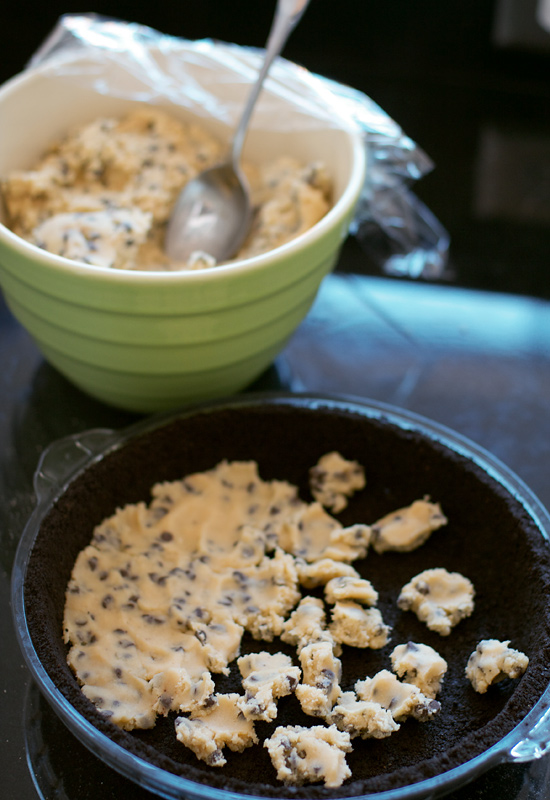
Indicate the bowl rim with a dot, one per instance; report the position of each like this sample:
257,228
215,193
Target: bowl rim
294,247
528,740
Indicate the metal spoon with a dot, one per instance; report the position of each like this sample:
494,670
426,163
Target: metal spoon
213,212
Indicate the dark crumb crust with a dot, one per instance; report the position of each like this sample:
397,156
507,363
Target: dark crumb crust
489,538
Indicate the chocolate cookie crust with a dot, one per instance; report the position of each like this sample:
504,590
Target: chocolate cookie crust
490,538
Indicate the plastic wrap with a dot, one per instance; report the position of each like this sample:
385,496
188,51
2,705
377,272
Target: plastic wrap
395,229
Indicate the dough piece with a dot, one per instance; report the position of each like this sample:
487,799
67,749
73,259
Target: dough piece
333,479
309,755
407,528
261,596
220,640
401,699
362,718
266,677
344,588
348,544
439,598
222,725
321,572
493,661
307,625
357,626
312,534
420,665
308,532
174,690
321,673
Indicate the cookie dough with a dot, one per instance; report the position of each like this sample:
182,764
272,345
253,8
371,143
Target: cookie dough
261,596
333,479
420,665
321,674
222,725
307,625
266,677
360,590
407,528
316,535
493,661
348,544
356,626
322,571
402,700
363,718
439,598
103,195
310,755
290,198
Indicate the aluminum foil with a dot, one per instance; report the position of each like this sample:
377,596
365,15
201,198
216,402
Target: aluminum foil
394,228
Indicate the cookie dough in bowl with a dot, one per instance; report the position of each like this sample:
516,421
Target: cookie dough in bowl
103,194
398,713
103,306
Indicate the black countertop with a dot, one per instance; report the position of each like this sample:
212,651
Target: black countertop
472,352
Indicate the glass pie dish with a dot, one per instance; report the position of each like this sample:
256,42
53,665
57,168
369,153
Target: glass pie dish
497,535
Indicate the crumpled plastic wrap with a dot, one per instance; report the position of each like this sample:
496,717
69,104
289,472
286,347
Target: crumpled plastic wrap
395,229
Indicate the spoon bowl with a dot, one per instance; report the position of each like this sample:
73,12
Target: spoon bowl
213,212
212,215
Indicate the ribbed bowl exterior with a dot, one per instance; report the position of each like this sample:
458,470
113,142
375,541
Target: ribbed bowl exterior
153,359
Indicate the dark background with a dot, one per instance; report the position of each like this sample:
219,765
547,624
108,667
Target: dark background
468,80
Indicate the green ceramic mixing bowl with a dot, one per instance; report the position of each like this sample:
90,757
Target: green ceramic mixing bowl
150,341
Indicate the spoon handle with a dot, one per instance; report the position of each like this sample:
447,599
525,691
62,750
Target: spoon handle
287,15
